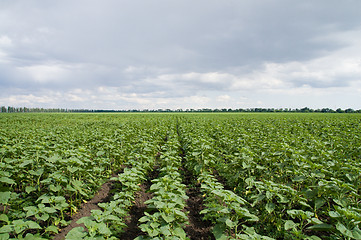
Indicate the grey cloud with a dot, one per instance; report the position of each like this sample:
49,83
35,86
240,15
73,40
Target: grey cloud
319,84
152,48
185,35
339,80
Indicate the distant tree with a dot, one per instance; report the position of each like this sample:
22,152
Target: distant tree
339,110
325,110
10,109
305,109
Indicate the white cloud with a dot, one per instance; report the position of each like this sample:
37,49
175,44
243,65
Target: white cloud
5,44
27,100
329,71
223,98
120,55
5,41
3,57
45,72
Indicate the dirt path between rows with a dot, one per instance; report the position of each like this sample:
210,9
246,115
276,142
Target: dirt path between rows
85,210
137,210
197,229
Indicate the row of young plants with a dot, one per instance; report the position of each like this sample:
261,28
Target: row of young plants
109,221
306,175
228,211
301,175
165,217
50,164
297,175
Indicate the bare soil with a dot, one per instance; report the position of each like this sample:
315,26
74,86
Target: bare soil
137,210
85,210
221,180
197,229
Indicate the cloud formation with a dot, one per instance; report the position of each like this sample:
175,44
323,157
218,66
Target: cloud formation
180,54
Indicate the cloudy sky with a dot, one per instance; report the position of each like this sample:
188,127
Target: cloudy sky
150,54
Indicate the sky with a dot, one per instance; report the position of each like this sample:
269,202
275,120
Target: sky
172,54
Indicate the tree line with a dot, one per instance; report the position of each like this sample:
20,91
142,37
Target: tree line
9,109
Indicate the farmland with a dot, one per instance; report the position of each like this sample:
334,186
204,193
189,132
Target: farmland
253,176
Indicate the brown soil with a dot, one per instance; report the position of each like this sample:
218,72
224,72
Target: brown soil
197,229
4,209
137,210
221,180
85,210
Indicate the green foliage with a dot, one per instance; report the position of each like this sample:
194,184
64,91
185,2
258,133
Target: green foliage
262,176
51,164
166,220
300,174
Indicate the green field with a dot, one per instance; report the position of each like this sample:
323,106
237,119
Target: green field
260,176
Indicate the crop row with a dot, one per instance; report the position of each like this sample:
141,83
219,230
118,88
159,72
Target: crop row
47,171
165,218
261,176
301,185
228,211
108,222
